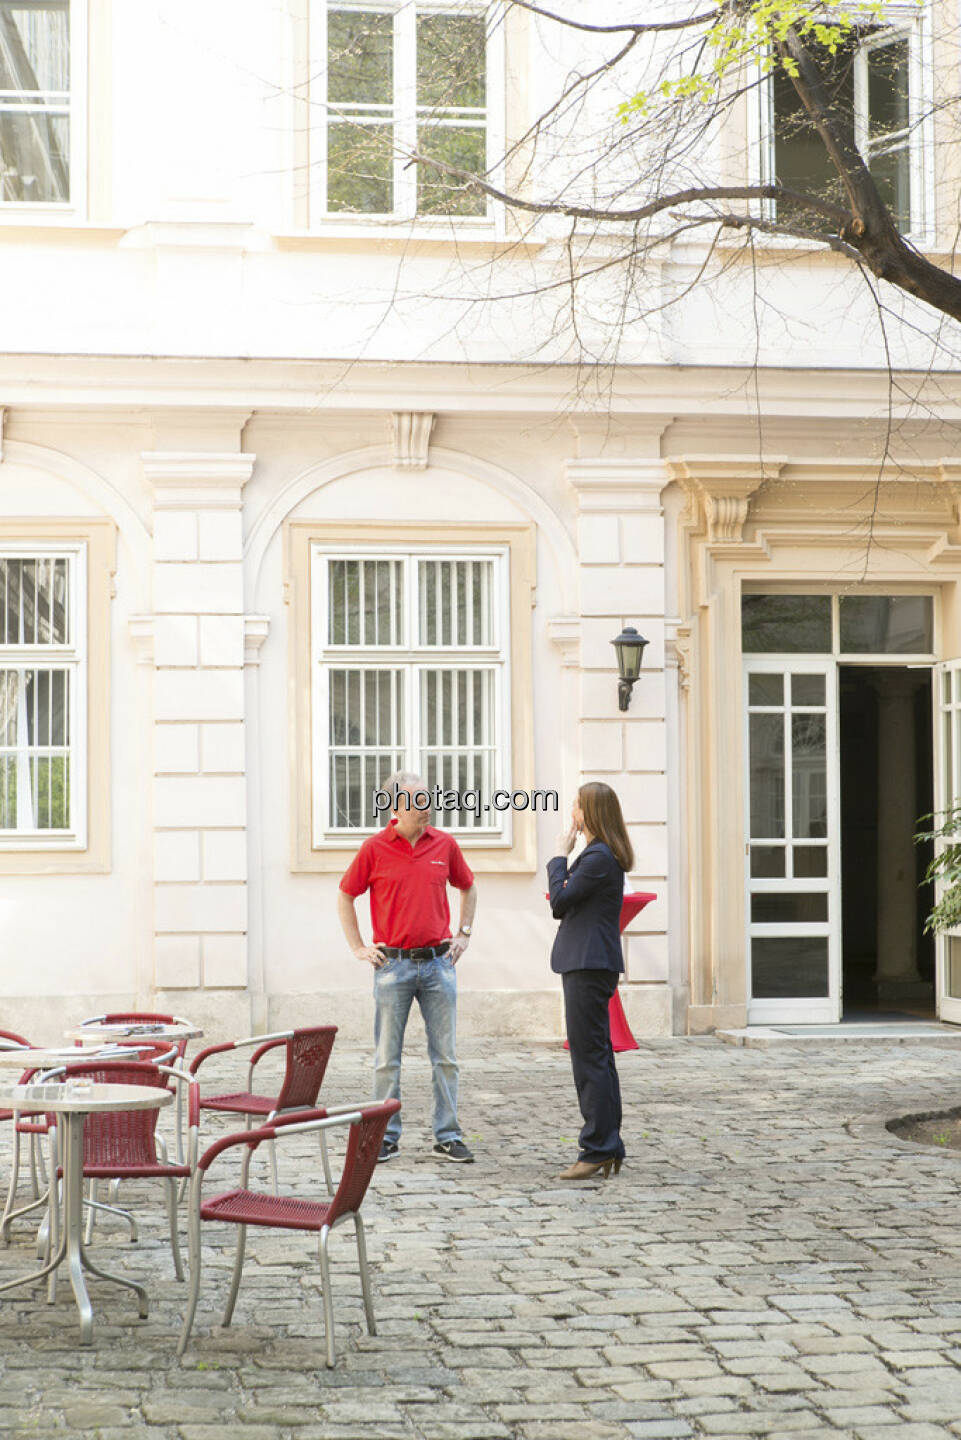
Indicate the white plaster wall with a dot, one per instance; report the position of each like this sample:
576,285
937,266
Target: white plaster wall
303,946
77,934
193,239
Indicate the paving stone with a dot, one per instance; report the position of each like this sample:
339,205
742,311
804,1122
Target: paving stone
757,1271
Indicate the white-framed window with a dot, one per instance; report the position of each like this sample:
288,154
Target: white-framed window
878,79
42,61
42,696
393,76
410,661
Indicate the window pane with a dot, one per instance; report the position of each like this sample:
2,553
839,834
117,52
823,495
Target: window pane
360,167
34,744
788,968
800,159
457,730
888,79
953,967
455,599
33,601
790,908
810,861
353,782
366,707
360,57
807,690
786,624
809,776
766,690
767,775
891,173
34,157
364,602
34,45
451,61
887,624
767,862
466,149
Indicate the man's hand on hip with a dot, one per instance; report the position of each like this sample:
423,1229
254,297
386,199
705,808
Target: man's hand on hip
372,954
457,947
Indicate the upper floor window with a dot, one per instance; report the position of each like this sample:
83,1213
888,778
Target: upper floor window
35,101
400,77
41,696
410,657
873,80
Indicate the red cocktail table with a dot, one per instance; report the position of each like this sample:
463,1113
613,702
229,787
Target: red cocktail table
621,1037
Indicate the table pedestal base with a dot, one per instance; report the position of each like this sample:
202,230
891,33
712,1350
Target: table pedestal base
69,1246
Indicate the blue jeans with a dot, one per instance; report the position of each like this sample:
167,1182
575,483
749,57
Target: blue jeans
433,983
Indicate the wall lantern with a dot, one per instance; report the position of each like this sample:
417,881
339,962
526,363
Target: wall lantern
630,652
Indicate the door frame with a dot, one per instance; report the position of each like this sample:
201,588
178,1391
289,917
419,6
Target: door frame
807,1010
946,713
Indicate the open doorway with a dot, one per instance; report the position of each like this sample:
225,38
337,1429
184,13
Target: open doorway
887,782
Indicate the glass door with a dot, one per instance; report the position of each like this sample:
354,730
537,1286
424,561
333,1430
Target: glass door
947,793
792,825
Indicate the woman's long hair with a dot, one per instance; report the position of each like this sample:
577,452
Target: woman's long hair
602,817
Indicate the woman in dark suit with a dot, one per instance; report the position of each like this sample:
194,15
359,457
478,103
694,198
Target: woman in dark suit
587,899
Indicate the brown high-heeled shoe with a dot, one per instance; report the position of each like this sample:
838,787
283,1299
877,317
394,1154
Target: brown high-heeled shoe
586,1169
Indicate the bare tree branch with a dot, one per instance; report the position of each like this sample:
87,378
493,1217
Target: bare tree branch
636,28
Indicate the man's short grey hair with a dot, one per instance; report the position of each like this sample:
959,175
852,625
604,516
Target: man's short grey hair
403,780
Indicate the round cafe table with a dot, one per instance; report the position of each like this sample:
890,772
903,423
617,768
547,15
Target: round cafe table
126,1030
72,1103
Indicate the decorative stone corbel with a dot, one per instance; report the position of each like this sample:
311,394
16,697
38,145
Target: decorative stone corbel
410,431
564,631
725,487
949,475
140,628
256,629
680,651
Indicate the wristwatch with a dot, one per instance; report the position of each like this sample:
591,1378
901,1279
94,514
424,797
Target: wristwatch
464,930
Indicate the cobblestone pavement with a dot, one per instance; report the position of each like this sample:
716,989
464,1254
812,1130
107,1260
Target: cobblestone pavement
758,1268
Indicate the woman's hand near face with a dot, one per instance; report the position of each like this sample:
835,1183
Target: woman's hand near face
567,839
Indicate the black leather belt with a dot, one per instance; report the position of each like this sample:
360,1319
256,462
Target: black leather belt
422,952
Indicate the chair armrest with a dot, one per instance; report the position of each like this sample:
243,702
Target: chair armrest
253,1138
205,1054
259,1040
263,1049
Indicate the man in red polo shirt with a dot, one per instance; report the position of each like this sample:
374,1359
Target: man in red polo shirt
407,867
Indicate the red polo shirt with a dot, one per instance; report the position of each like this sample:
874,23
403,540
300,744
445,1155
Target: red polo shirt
408,885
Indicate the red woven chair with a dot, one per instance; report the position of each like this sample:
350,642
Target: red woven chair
243,1207
306,1060
123,1145
35,1126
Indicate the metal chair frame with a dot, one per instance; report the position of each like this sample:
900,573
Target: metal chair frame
264,1045
143,1068
316,1217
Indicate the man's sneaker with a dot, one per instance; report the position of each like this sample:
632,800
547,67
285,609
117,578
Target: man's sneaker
454,1150
388,1149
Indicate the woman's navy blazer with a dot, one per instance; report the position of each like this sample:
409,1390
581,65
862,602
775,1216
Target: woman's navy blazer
587,901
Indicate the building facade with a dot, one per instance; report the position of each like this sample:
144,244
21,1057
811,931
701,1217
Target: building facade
304,480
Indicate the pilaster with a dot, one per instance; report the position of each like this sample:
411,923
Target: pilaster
201,639
620,532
